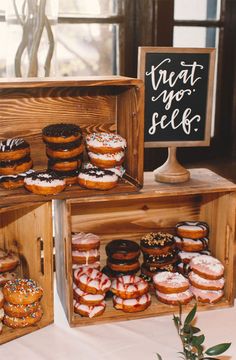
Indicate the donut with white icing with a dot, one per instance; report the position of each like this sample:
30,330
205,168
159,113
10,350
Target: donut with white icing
168,282
95,265
129,286
92,281
89,310
22,291
85,241
1,299
175,298
207,296
132,305
70,177
191,245
85,298
14,149
13,167
105,161
6,276
118,170
97,179
44,183
192,229
21,322
85,257
61,133
205,284
8,260
14,181
187,256
20,310
105,143
207,266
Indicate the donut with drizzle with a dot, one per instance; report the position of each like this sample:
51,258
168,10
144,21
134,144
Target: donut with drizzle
192,229
44,183
85,257
97,179
85,241
132,305
22,291
92,281
191,245
85,298
8,260
105,143
14,149
129,286
89,310
61,133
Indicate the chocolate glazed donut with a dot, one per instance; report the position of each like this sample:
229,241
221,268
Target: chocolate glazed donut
122,249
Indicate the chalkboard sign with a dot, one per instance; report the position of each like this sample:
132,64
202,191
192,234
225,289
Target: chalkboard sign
178,95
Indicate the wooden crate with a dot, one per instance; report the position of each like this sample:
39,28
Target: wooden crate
113,104
205,197
27,230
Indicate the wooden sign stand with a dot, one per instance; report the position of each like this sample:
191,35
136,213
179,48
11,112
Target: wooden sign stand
171,171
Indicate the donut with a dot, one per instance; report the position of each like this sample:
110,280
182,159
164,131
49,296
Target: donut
105,143
85,298
161,260
1,299
123,266
157,243
104,161
207,296
207,266
168,282
92,281
122,249
0,327
205,284
8,260
22,291
89,310
61,133
13,149
132,305
65,164
64,152
85,242
14,181
85,257
118,170
183,297
2,313
15,322
191,245
13,167
6,276
97,179
95,265
187,256
70,177
44,183
192,229
150,271
20,311
129,286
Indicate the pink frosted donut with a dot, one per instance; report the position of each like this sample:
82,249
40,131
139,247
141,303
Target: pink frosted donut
129,286
207,266
192,229
186,256
8,260
85,242
85,257
95,265
132,305
207,296
89,311
205,284
85,298
105,143
170,282
175,298
92,281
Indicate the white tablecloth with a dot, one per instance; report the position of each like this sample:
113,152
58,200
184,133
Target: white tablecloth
129,340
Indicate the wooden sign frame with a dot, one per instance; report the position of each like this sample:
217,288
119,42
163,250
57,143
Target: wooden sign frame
210,85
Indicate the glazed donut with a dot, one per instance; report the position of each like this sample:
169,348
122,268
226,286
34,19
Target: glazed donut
63,152
14,181
70,177
207,296
8,260
92,281
6,276
168,282
207,266
85,298
97,179
61,133
129,286
205,284
95,265
13,149
1,299
13,167
118,170
192,229
132,305
121,249
85,242
105,143
104,161
22,322
85,257
44,183
22,291
20,311
161,260
191,245
175,298
65,164
89,310
157,243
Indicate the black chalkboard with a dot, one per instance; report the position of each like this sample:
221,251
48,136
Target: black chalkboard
178,95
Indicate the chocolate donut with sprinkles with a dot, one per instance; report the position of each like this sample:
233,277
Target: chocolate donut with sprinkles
61,133
105,143
157,243
14,149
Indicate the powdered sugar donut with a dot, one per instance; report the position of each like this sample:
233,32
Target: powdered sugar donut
205,284
191,245
85,298
207,266
92,281
129,286
207,296
109,160
7,276
104,143
44,183
132,305
85,257
168,282
1,299
89,310
83,242
175,298
8,260
22,322
97,179
192,229
13,149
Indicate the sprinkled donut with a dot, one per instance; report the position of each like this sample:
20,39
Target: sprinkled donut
84,242
132,305
61,133
157,243
20,310
175,298
207,266
205,284
15,322
13,149
192,229
85,298
92,281
85,257
14,181
89,310
168,282
22,291
129,286
13,167
207,296
160,260
104,143
191,245
97,179
109,160
44,183
150,270
8,260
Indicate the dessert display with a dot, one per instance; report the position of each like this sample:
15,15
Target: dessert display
97,179
44,183
132,305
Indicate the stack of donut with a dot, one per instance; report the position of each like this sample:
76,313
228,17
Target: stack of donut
22,303
64,149
172,288
85,250
8,263
122,258
130,293
206,278
89,290
15,162
159,254
192,240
